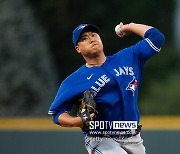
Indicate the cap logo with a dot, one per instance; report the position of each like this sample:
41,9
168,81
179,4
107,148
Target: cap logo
81,27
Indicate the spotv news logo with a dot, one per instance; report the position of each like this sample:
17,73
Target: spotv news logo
106,125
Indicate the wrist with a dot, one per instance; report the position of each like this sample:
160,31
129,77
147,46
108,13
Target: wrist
131,26
77,122
128,28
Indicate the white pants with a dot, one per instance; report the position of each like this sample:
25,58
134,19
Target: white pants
98,145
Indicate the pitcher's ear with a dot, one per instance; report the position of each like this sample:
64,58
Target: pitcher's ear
77,49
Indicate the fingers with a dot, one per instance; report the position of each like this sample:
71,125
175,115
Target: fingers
124,30
119,30
121,24
92,116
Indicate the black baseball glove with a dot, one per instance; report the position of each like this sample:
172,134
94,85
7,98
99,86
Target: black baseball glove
88,106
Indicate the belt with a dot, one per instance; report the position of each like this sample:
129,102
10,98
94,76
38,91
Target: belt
128,133
121,135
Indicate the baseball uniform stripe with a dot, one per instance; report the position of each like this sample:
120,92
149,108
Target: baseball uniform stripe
152,45
51,112
93,149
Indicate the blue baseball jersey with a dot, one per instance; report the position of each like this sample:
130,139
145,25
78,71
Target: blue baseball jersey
115,83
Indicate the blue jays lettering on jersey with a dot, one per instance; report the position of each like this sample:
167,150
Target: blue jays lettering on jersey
115,83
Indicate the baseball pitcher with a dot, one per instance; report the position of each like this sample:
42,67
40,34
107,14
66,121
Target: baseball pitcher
105,90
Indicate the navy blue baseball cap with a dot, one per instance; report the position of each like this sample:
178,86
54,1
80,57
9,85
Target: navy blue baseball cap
83,28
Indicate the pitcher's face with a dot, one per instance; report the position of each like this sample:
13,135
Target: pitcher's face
89,44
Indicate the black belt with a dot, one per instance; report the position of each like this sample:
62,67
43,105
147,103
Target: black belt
122,135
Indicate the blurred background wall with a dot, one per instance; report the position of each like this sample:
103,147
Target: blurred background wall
36,51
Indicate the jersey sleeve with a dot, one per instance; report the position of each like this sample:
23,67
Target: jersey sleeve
68,94
150,45
61,103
